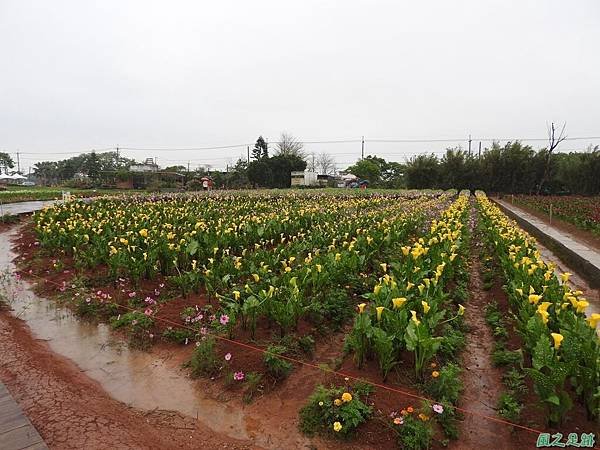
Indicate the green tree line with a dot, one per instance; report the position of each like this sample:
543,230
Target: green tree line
510,168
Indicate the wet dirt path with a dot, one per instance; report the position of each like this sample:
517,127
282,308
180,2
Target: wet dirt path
482,381
72,411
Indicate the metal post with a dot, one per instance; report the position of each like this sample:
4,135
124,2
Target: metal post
248,154
469,145
550,213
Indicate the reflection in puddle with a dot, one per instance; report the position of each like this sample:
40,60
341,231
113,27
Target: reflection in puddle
140,379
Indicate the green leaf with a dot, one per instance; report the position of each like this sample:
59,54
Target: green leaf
192,248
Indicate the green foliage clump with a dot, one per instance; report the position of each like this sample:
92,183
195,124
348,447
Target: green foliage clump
327,407
414,434
509,407
204,360
447,386
277,367
178,335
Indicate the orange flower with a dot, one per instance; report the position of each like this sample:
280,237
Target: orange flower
423,417
404,412
410,409
433,365
435,374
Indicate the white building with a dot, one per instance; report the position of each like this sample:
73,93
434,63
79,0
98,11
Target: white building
147,166
304,178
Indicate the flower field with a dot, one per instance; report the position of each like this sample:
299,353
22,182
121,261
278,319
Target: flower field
259,287
39,194
584,212
557,337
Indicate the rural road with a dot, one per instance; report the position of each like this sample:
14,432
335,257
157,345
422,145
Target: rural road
10,209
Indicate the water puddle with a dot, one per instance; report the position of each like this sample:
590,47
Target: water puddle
145,380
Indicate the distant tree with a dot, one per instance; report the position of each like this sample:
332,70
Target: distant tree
6,162
260,149
288,145
325,164
367,169
553,142
259,173
175,169
282,167
392,175
422,172
46,172
92,166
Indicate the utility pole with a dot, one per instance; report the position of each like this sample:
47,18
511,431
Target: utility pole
469,145
479,149
117,162
248,154
362,151
18,163
188,167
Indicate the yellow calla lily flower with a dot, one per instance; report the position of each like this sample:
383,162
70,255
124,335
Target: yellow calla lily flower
558,338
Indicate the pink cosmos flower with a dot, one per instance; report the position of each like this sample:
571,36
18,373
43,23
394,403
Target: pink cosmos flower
17,276
148,312
238,376
203,330
131,294
228,357
224,319
161,285
438,408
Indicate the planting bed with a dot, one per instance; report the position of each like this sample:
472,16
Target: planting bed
329,320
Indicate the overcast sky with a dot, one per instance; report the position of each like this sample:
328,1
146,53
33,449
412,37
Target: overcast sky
77,75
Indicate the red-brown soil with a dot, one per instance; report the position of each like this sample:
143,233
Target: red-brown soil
72,411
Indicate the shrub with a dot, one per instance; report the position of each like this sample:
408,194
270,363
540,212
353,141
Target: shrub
138,325
253,386
453,342
90,307
509,407
447,386
514,380
204,360
503,357
327,407
277,367
414,433
178,335
331,307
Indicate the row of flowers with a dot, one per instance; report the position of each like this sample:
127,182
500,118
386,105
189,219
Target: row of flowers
408,303
550,317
